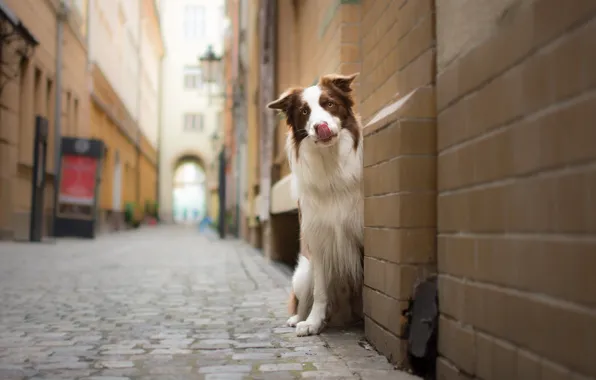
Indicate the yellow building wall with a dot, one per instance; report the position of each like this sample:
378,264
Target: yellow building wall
104,129
33,92
214,206
111,123
148,181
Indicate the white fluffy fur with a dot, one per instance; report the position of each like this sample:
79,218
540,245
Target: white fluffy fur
328,181
302,283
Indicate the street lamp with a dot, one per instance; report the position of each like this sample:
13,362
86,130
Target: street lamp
210,67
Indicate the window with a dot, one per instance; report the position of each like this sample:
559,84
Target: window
192,78
194,21
193,122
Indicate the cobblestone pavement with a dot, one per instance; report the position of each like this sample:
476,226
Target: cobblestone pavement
162,303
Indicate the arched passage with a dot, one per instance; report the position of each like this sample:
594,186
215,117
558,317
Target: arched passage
189,194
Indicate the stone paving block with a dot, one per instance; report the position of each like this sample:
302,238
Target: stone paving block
281,367
275,376
171,371
253,356
116,364
253,345
61,365
225,376
121,372
117,352
225,369
170,351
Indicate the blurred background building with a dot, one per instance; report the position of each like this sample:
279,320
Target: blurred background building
192,116
125,52
109,88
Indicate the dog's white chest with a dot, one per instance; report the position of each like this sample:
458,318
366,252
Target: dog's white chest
328,183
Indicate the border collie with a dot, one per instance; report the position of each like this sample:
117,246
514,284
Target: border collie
324,147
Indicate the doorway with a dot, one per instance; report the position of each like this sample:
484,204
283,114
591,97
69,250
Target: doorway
189,194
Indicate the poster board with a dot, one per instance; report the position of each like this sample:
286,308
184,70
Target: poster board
79,179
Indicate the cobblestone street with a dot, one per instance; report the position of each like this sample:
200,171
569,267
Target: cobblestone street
161,303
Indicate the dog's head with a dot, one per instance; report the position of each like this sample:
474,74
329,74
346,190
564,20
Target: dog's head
320,112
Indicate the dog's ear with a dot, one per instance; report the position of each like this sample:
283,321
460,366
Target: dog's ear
283,102
341,82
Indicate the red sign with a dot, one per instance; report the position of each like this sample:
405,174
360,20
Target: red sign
77,183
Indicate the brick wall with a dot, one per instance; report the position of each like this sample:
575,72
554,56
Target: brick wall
487,178
314,38
397,50
517,189
399,162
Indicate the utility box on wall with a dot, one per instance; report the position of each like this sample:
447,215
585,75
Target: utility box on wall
80,165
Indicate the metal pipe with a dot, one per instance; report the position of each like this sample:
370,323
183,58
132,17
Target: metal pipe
160,133
139,84
61,16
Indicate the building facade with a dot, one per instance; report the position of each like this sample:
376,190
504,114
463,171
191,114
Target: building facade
192,114
125,53
29,85
479,169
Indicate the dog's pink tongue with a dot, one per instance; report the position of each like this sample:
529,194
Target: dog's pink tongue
324,132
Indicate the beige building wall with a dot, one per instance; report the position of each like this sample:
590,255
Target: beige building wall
30,93
125,50
114,45
152,52
183,52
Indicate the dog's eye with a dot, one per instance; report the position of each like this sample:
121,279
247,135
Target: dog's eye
305,111
330,104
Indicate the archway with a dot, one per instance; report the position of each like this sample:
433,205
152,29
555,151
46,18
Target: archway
189,195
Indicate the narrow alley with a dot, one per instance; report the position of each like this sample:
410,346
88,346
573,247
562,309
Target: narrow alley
160,303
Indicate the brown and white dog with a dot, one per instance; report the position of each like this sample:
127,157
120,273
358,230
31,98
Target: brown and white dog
324,147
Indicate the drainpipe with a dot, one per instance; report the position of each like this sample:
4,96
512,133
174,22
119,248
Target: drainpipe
61,17
159,130
89,4
140,81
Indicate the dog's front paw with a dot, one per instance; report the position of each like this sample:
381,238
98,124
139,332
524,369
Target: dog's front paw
307,327
293,320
